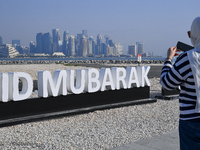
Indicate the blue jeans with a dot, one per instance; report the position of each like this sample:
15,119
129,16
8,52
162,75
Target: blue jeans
189,135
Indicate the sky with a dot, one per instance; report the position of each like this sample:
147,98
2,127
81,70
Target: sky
157,23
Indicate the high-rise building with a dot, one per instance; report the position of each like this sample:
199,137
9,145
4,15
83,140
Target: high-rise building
16,43
91,46
140,47
39,41
43,44
65,43
132,50
83,46
32,47
71,46
1,41
84,32
99,41
56,39
78,45
89,50
47,43
103,49
119,48
96,50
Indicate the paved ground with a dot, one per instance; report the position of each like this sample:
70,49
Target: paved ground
169,141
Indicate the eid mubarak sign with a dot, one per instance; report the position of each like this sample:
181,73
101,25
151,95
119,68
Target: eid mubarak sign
70,81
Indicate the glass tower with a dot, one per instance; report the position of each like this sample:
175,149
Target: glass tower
56,39
132,50
99,41
47,43
39,40
65,43
140,47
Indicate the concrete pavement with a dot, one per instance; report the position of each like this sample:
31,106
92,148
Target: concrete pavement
168,141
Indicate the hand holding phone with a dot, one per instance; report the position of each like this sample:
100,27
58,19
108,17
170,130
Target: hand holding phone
171,52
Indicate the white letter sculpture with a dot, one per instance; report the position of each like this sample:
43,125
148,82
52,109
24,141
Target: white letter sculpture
106,79
80,81
119,75
27,87
92,80
4,87
132,77
142,75
48,86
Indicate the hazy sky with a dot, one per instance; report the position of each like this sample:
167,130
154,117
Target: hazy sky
158,23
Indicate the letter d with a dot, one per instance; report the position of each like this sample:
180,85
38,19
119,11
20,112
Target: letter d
27,87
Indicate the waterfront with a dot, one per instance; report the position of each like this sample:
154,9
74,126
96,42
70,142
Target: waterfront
80,58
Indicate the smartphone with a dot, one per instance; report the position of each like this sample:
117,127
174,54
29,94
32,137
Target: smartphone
183,47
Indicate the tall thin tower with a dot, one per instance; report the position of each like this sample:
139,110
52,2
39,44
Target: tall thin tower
47,43
39,40
83,46
65,43
56,38
71,46
99,41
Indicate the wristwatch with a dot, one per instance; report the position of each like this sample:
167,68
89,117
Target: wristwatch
169,59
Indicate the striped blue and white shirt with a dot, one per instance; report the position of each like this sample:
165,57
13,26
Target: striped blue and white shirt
180,74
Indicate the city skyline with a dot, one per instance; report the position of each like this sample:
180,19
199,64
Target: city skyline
76,46
159,24
49,43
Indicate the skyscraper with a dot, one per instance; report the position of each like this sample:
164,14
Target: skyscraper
83,46
99,41
91,46
65,43
56,39
140,47
78,45
1,40
132,50
47,43
39,40
71,46
43,43
103,49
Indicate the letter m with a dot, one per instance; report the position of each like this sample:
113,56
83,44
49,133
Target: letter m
48,86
